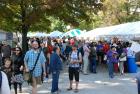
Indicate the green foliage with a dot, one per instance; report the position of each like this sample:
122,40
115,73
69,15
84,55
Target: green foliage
58,25
49,15
35,14
95,22
121,11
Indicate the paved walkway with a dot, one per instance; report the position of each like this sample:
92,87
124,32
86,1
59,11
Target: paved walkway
93,84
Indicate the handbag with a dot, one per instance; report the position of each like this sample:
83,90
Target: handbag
123,59
105,57
18,78
26,76
29,75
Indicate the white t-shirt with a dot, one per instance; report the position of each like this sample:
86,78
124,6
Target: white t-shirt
130,53
5,89
74,57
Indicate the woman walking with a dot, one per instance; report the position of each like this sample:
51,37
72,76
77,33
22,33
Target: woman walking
18,64
111,60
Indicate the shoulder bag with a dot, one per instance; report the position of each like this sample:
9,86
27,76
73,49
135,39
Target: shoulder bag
29,74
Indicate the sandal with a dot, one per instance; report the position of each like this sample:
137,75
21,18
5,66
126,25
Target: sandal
76,90
69,89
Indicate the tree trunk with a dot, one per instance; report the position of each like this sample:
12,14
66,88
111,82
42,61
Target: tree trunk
24,38
25,27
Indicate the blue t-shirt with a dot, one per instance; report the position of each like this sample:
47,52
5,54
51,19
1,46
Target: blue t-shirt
99,48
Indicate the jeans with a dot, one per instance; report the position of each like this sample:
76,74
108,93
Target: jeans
110,69
138,81
55,80
93,65
138,85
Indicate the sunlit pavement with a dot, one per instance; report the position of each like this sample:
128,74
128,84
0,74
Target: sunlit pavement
92,84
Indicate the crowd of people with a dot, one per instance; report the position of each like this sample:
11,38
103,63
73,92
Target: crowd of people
49,55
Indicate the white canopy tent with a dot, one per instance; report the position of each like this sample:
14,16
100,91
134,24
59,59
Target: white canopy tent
41,34
55,34
98,32
37,34
127,29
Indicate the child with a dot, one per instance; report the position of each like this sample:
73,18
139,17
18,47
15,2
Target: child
7,68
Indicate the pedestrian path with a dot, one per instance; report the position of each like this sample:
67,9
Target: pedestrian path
92,84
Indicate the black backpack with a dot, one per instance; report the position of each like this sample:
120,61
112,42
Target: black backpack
81,50
0,79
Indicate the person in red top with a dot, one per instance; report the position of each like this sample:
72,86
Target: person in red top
49,46
106,47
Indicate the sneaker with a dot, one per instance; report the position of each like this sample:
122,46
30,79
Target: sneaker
76,90
95,72
85,73
55,92
45,80
111,77
69,89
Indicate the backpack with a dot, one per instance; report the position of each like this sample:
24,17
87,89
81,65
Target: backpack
0,79
81,50
92,54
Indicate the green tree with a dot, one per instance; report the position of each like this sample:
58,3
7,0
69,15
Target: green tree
120,11
33,15
57,25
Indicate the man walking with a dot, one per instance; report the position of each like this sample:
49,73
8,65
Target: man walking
35,55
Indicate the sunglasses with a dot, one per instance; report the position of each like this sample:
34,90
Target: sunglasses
17,50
